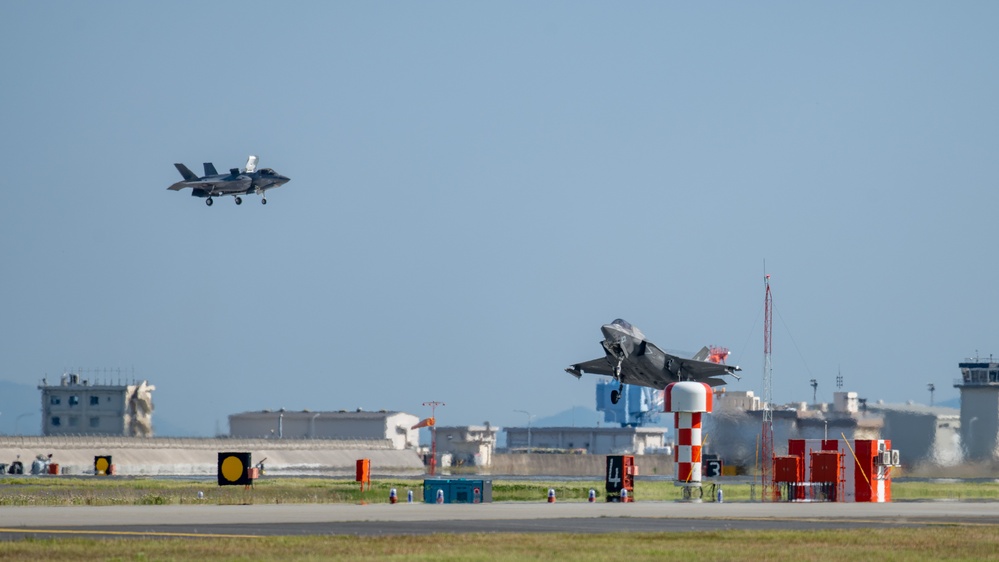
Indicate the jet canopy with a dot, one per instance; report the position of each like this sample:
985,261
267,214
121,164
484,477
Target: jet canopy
625,325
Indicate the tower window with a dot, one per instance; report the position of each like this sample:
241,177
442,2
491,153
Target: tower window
94,400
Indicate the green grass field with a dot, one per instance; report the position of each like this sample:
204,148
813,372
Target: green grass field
151,491
908,544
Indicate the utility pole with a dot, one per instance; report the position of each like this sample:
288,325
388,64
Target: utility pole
529,416
815,387
433,433
931,388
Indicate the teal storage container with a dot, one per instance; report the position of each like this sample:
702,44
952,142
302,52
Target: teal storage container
458,490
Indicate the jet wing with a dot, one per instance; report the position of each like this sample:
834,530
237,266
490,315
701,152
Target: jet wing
693,369
601,366
679,368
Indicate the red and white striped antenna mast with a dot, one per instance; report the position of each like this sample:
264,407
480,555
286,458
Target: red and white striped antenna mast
767,436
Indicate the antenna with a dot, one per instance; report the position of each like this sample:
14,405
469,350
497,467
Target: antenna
767,438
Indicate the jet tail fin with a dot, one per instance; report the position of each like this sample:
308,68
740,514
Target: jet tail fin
210,169
251,164
187,174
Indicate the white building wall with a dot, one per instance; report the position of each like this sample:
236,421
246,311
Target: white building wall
393,426
467,445
947,442
598,441
740,400
846,402
400,430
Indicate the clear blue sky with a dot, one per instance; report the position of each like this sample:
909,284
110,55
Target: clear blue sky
477,187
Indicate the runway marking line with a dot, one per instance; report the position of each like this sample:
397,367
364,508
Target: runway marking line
127,533
915,521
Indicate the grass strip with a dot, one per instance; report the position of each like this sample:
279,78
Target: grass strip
25,491
924,543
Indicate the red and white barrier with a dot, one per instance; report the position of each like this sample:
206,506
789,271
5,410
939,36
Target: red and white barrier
688,400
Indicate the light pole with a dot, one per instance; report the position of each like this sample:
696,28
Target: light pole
815,386
931,388
312,425
529,416
433,433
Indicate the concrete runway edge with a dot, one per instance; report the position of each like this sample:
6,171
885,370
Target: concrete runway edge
419,518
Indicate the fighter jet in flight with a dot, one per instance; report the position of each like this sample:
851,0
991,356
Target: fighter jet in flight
631,359
237,182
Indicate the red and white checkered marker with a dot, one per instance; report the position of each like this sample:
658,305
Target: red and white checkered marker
688,400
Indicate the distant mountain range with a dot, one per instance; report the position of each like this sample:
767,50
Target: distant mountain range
952,403
577,416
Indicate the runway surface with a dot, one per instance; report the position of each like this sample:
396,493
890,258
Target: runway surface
513,517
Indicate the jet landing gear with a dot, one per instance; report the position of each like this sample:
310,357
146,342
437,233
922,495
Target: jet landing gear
616,394
239,200
209,201
263,201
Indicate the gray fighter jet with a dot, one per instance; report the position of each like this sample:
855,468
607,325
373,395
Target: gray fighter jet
631,359
237,182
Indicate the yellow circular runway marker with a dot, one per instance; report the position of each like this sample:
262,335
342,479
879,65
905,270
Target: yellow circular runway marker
233,469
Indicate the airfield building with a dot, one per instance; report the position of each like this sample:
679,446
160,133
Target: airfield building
467,445
77,407
591,440
979,386
396,427
926,435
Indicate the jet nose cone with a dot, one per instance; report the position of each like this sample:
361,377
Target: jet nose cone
611,332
